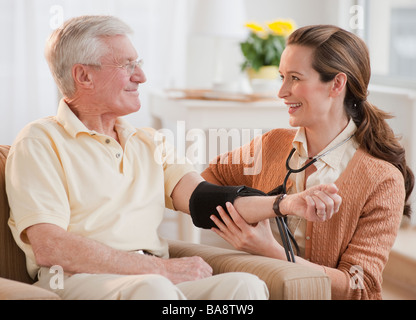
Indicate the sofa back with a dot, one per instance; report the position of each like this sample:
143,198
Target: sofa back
12,258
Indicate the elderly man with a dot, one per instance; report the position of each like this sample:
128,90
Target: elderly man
87,190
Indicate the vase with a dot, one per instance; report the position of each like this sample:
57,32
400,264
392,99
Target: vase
265,81
265,73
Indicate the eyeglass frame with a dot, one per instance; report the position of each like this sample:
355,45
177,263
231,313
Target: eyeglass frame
132,65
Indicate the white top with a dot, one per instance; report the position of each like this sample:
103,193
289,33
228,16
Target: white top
328,170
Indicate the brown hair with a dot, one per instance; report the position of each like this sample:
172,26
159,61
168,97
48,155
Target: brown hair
337,50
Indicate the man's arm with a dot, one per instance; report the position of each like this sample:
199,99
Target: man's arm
184,189
318,203
53,245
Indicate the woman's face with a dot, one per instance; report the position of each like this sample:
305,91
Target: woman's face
310,102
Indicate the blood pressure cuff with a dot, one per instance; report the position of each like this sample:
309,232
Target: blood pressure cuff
207,196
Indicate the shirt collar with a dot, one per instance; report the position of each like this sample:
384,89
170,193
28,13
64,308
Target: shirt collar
124,130
334,157
69,120
74,126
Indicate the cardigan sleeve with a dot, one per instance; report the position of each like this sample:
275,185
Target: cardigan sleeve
236,167
258,164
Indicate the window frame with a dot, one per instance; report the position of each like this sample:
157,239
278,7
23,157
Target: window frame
356,16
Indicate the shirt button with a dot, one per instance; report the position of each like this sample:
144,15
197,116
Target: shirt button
107,140
118,155
308,238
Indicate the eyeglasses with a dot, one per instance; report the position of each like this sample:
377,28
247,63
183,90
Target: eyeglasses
129,67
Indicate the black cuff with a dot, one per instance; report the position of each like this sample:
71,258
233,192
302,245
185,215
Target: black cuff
207,196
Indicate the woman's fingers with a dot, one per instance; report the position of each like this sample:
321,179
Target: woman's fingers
227,229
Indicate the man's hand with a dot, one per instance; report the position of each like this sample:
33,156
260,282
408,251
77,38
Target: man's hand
186,269
318,203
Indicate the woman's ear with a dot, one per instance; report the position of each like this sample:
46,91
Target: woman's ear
338,84
82,76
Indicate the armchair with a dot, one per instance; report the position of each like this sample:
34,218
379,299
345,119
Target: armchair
15,283
285,280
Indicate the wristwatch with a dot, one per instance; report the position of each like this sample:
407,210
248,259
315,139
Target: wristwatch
276,204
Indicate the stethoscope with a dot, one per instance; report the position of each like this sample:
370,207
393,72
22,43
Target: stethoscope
286,235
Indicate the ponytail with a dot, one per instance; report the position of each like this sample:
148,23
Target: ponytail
377,138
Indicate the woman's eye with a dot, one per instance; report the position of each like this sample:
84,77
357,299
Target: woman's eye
293,78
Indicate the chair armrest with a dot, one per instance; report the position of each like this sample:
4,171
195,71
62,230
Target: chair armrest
285,280
14,290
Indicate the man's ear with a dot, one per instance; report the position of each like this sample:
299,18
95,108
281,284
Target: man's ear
338,84
82,76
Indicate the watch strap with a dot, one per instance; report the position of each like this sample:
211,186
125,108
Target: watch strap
276,204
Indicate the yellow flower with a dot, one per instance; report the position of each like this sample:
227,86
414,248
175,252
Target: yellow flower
265,43
281,27
254,27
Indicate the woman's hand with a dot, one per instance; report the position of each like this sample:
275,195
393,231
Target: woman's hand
318,203
255,239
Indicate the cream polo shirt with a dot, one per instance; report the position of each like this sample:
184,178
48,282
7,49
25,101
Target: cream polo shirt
328,170
60,172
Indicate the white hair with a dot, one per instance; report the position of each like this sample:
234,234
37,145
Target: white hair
80,40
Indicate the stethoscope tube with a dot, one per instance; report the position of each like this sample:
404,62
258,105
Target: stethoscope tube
285,234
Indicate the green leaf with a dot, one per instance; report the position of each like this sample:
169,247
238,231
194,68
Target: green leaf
260,51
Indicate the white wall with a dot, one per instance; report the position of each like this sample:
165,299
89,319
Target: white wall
201,50
173,57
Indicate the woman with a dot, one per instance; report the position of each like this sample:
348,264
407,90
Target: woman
325,72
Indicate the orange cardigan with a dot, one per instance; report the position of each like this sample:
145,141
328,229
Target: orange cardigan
356,242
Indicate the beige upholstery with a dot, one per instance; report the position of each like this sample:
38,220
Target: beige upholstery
12,259
285,280
14,290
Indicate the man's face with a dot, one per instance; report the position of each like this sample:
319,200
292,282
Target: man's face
115,87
